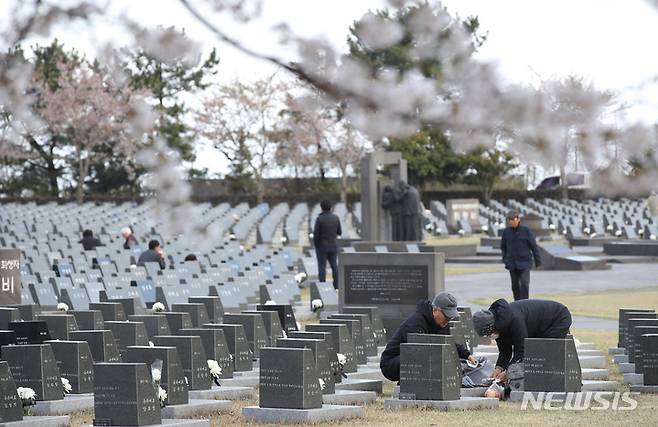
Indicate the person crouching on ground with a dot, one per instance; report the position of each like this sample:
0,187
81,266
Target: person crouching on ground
511,323
430,318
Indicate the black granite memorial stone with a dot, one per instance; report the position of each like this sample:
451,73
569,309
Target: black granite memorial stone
7,338
172,378
273,328
286,315
375,321
192,357
124,395
370,345
27,312
428,372
30,332
34,366
237,343
154,324
342,342
177,320
215,346
468,330
457,330
331,351
354,329
59,325
638,355
127,334
622,325
197,311
11,408
8,314
88,320
111,311
436,339
214,307
146,289
44,294
551,365
102,345
631,324
320,353
288,379
649,344
254,328
75,298
75,363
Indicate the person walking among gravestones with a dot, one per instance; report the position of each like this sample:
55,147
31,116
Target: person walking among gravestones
154,254
130,239
511,323
325,234
430,318
519,247
88,241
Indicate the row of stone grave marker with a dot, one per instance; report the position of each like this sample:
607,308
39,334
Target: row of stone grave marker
637,349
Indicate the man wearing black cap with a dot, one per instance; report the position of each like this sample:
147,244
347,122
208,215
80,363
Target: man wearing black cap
511,323
430,318
519,248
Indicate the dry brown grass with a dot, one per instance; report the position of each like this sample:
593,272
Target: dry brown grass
604,305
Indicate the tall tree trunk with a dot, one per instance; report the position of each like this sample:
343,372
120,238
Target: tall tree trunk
343,186
564,185
83,167
260,188
53,186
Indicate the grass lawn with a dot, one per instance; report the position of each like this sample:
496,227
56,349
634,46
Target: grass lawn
604,304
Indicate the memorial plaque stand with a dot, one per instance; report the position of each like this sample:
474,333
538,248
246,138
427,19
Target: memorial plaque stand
192,357
124,395
551,365
215,346
254,330
34,366
11,408
102,345
237,345
75,364
288,379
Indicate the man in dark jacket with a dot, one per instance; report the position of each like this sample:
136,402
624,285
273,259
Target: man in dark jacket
519,248
154,254
89,242
430,318
511,323
325,233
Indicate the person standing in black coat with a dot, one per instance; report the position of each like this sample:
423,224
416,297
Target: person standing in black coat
511,323
519,247
325,235
430,318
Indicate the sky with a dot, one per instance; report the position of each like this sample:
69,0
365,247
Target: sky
609,42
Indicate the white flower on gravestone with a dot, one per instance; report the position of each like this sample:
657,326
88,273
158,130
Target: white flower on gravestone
283,334
215,369
317,304
62,307
652,237
66,385
618,233
241,248
151,344
341,359
231,236
270,302
28,398
186,381
236,217
162,396
593,235
322,384
299,326
156,374
284,239
230,356
586,230
300,277
609,227
310,235
158,307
